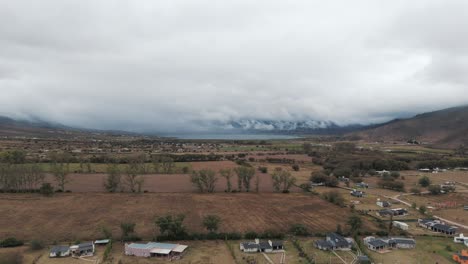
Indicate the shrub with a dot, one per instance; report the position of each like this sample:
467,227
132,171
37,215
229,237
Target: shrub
295,167
334,197
36,244
251,235
11,242
263,169
46,189
435,189
299,230
424,181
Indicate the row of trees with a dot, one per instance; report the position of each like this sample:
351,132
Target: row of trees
205,180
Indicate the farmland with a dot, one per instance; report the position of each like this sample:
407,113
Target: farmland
68,217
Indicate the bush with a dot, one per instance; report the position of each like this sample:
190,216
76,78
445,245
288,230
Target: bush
11,242
36,244
435,189
295,167
334,197
251,235
425,181
299,230
46,189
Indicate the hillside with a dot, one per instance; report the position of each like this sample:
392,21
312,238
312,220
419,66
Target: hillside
446,128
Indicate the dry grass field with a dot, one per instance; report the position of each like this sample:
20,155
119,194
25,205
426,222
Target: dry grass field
68,217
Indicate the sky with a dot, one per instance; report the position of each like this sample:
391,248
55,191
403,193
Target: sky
173,65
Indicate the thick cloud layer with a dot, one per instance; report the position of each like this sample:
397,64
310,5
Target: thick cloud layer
183,64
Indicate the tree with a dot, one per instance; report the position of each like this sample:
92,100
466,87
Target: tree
133,181
339,230
171,226
112,182
60,172
227,174
424,181
415,190
355,223
257,183
321,177
334,197
295,167
395,174
128,230
211,222
282,180
435,189
245,174
307,147
204,180
422,209
46,189
299,230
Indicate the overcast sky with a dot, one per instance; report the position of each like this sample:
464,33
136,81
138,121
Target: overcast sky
179,64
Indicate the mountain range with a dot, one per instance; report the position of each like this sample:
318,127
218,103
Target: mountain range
444,128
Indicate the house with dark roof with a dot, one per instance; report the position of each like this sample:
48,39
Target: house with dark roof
261,246
437,226
59,251
357,193
392,212
382,244
83,249
334,241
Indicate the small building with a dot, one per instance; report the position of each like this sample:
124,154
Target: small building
357,193
465,207
83,249
334,241
383,203
153,249
461,240
261,246
362,185
102,242
437,226
461,258
59,251
400,225
392,212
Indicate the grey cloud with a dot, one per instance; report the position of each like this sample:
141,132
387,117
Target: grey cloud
180,64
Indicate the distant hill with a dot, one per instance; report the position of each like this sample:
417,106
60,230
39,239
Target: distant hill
38,128
444,128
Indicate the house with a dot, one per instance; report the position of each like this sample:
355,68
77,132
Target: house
357,193
461,240
383,203
382,172
83,249
261,246
362,185
153,249
59,251
392,212
437,226
461,258
383,244
401,225
426,170
334,241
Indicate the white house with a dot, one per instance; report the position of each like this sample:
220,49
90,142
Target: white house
401,225
461,240
59,251
261,246
383,203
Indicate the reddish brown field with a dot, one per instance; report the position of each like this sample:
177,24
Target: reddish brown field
67,217
161,183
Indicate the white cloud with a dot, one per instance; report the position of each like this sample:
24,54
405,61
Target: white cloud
179,64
